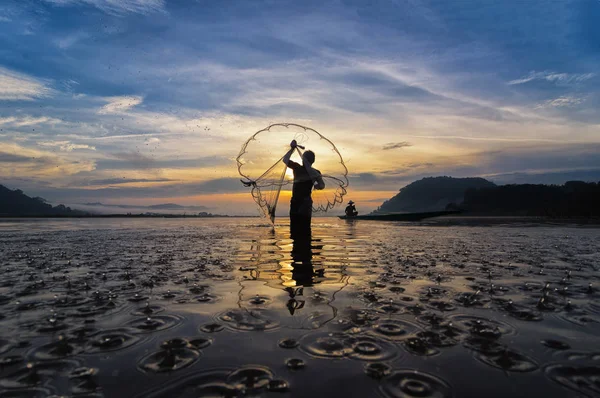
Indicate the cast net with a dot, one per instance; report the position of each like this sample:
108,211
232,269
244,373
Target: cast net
261,166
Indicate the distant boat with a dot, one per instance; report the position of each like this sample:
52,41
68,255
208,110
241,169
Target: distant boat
401,216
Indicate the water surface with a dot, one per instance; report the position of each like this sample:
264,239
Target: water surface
229,307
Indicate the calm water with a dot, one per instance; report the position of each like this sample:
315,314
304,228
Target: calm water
228,307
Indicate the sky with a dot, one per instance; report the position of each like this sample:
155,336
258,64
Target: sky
142,102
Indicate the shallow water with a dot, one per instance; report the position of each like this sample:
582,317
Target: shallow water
228,307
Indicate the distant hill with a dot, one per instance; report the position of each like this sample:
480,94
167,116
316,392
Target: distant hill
16,203
573,199
432,194
164,206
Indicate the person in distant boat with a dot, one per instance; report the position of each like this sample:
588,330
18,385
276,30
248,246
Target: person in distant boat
351,209
305,179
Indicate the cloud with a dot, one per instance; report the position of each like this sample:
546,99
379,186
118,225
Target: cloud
117,181
135,159
66,146
17,162
13,158
396,145
17,86
138,161
117,7
117,105
558,78
23,121
561,102
68,41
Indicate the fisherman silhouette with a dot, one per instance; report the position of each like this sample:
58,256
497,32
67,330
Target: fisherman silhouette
351,210
305,179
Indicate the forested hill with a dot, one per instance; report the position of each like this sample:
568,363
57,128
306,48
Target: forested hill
573,199
16,203
432,194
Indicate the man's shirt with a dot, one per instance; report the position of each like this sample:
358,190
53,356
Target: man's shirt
303,184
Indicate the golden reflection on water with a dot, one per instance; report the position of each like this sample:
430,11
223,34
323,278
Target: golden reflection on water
323,258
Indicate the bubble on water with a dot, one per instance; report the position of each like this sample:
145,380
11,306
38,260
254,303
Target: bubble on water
519,311
174,355
508,360
328,345
206,298
419,346
394,329
412,383
111,340
137,298
250,379
278,385
168,295
259,300
482,327
441,305
201,342
211,327
70,301
377,370
154,323
295,363
36,373
197,289
367,348
582,379
556,344
250,320
359,317
148,310
288,343
83,381
390,308
472,299
60,348
436,338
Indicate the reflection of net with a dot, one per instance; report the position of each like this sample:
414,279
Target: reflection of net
260,163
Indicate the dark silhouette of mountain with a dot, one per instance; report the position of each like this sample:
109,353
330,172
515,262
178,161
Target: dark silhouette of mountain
573,199
16,203
431,194
164,206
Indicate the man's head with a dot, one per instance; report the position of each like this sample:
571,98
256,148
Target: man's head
308,157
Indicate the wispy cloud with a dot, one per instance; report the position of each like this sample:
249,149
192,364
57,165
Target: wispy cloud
120,104
18,161
68,41
66,146
23,121
124,180
17,86
554,77
117,7
561,102
396,145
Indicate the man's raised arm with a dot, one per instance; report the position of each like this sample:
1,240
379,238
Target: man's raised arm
317,179
288,155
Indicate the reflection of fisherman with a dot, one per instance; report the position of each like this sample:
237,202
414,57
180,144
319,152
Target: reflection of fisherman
305,178
351,210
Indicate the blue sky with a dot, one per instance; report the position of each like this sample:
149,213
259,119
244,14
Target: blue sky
147,101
